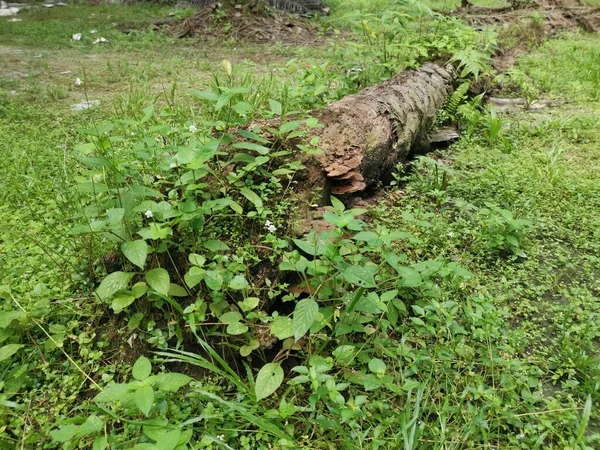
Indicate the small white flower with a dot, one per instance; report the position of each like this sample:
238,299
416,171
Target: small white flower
193,129
148,214
78,82
270,227
76,36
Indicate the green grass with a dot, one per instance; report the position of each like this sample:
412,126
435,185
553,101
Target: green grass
540,349
53,27
497,347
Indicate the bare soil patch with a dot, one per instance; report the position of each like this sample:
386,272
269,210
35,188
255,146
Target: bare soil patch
217,22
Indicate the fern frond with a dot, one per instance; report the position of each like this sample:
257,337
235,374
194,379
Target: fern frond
457,98
471,61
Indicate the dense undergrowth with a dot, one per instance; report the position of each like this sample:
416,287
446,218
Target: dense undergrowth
155,297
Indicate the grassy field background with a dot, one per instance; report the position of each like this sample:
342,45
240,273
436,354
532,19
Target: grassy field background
495,345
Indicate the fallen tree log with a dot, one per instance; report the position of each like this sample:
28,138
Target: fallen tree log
554,17
367,134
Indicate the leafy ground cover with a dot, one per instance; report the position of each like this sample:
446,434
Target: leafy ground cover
154,295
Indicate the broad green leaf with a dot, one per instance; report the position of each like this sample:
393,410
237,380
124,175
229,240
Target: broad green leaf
206,95
337,220
389,296
410,277
112,393
362,276
115,215
313,245
282,327
268,380
253,136
215,246
213,279
136,252
377,366
8,350
144,398
344,354
276,107
260,149
177,291
100,443
242,108
230,317
122,301
112,284
252,196
337,204
197,260
92,424
245,350
289,126
171,382
139,289
6,318
159,280
194,276
370,304
249,303
145,446
169,440
223,100
305,314
367,236
155,428
238,283
65,433
141,369
236,328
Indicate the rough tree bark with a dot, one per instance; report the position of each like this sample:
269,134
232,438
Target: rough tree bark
367,134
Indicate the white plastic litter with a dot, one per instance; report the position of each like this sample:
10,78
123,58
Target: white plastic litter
100,40
77,36
85,104
6,11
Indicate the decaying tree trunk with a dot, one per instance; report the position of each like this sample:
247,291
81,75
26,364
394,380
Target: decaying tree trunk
367,134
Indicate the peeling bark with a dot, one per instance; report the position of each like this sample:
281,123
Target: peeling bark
367,134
